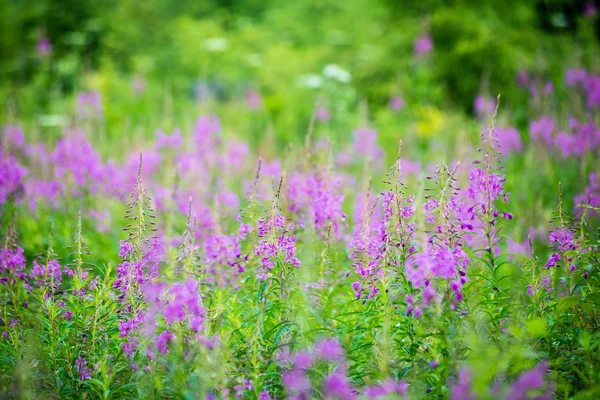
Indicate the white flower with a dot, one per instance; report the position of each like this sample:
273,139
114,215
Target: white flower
311,81
216,44
53,120
336,72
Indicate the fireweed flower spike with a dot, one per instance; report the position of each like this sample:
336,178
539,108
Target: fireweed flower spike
223,256
437,270
485,196
569,251
12,265
187,258
12,175
139,254
48,273
530,384
276,241
590,196
139,264
316,196
174,311
365,255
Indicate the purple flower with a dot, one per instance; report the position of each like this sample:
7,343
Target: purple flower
224,259
423,45
489,184
296,382
365,144
396,103
302,361
574,77
322,114
563,240
50,272
284,244
338,386
163,340
462,390
206,132
80,366
317,199
542,130
590,196
548,88
132,274
173,141
240,389
529,381
592,91
89,105
590,10
11,260
44,47
264,395
523,78
552,260
12,175
387,388
509,140
13,137
125,248
329,350
138,85
484,106
254,99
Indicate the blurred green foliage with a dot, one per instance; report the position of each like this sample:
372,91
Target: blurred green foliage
478,45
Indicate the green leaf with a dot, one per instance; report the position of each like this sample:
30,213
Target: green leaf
537,327
566,302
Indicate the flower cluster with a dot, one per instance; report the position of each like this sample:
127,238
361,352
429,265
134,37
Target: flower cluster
223,257
589,83
509,140
132,273
364,143
563,241
12,175
590,196
335,385
49,273
316,198
367,242
80,366
531,384
436,263
179,305
276,244
12,265
484,106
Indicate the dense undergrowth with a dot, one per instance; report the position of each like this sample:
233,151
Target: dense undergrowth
317,275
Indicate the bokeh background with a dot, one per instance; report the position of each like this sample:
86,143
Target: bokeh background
152,60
